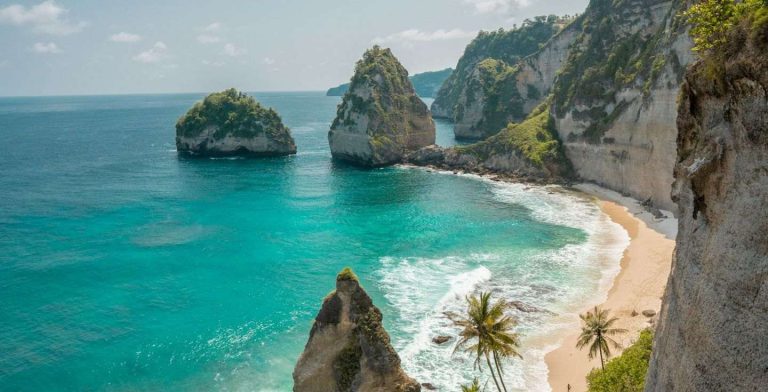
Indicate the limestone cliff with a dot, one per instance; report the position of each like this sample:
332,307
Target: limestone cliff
380,118
489,88
613,74
713,330
348,349
232,123
614,99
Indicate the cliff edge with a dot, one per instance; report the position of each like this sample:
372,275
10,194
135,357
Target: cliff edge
713,330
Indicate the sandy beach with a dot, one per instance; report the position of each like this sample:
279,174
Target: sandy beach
639,286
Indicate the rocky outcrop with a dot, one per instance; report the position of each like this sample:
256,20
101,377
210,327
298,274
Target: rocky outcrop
527,151
713,329
614,103
232,123
509,92
380,118
348,349
491,86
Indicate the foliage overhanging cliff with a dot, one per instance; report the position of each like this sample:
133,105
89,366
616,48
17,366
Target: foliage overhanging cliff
712,334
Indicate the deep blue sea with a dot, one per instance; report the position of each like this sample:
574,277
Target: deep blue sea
124,267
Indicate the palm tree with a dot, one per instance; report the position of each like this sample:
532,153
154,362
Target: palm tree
596,332
474,387
487,332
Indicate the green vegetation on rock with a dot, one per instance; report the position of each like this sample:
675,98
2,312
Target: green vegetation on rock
233,113
719,27
347,274
380,118
608,56
535,139
627,371
232,123
496,85
426,84
506,46
711,20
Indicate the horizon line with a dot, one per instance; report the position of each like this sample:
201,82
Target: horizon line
163,93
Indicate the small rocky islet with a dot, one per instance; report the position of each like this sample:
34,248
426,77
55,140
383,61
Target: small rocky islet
348,348
231,123
380,119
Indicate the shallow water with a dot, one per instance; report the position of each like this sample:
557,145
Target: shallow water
125,267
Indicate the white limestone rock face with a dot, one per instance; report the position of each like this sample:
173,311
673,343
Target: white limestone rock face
380,118
713,326
348,349
624,138
231,123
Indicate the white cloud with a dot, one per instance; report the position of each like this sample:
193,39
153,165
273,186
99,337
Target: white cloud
125,37
268,61
46,17
215,26
155,54
414,35
207,39
209,35
497,6
233,51
50,47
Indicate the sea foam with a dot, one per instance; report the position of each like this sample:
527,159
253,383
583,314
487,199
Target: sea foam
558,282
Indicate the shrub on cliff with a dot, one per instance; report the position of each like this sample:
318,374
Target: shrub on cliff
720,27
711,20
626,372
535,139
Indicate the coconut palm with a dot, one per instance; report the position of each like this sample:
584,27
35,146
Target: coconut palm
474,387
487,332
596,333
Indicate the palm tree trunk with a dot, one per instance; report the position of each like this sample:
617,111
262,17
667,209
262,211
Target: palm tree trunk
602,364
498,370
493,374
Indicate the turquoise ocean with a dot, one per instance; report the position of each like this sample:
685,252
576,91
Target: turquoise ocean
124,267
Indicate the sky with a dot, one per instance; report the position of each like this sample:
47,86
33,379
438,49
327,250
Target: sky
74,47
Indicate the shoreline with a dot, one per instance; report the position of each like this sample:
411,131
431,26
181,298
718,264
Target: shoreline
639,284
645,267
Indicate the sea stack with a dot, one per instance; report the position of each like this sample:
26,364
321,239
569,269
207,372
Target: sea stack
232,123
348,349
380,118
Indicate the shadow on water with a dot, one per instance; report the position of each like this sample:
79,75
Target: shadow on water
227,174
357,186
